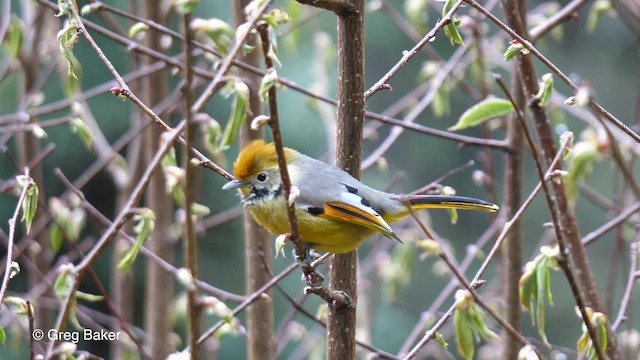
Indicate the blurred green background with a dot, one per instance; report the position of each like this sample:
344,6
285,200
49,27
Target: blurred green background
609,65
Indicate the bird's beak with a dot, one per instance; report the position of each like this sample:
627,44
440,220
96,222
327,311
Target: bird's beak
235,184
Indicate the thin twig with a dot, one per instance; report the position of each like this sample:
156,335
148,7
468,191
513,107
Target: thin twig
254,296
226,62
407,55
529,46
28,183
223,295
623,216
634,275
126,91
91,257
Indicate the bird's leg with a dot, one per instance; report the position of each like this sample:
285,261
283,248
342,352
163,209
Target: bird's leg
310,276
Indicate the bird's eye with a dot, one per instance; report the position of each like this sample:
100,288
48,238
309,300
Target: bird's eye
262,177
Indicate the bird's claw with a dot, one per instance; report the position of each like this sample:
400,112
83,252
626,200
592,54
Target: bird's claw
312,278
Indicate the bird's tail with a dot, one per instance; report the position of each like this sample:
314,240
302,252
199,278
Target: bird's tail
448,202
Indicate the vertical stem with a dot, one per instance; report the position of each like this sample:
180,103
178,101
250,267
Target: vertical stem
158,291
122,282
341,325
190,243
28,144
576,266
513,182
257,241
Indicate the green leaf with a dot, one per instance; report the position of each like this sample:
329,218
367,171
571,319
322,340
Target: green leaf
583,156
453,216
416,12
440,340
542,279
72,83
597,9
18,305
3,337
212,132
269,80
451,29
464,335
145,222
88,297
63,7
55,237
137,28
67,39
528,288
478,325
221,33
14,37
79,127
484,110
546,90
199,209
170,158
239,112
30,204
185,6
515,48
62,284
601,329
276,17
440,105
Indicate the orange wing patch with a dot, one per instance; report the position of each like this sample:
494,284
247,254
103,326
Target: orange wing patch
351,214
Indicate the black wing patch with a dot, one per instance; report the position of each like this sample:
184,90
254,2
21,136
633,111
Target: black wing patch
315,210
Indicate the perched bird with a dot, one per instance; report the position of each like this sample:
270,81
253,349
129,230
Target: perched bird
335,211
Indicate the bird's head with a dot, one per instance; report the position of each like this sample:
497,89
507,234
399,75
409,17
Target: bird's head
257,173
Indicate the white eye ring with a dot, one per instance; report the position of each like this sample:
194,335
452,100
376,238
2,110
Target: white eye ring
262,177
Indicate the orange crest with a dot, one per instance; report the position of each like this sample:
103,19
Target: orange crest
255,157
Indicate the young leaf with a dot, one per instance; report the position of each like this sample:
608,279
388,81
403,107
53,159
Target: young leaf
464,335
542,279
67,38
30,204
484,110
79,127
546,90
145,222
583,156
416,12
276,17
212,132
440,340
239,112
269,80
137,28
3,337
440,104
14,37
515,48
221,33
597,9
55,237
186,6
88,297
451,29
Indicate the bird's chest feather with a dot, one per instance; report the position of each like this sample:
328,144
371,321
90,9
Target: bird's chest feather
272,215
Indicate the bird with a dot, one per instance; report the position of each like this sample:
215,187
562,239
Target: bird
335,211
